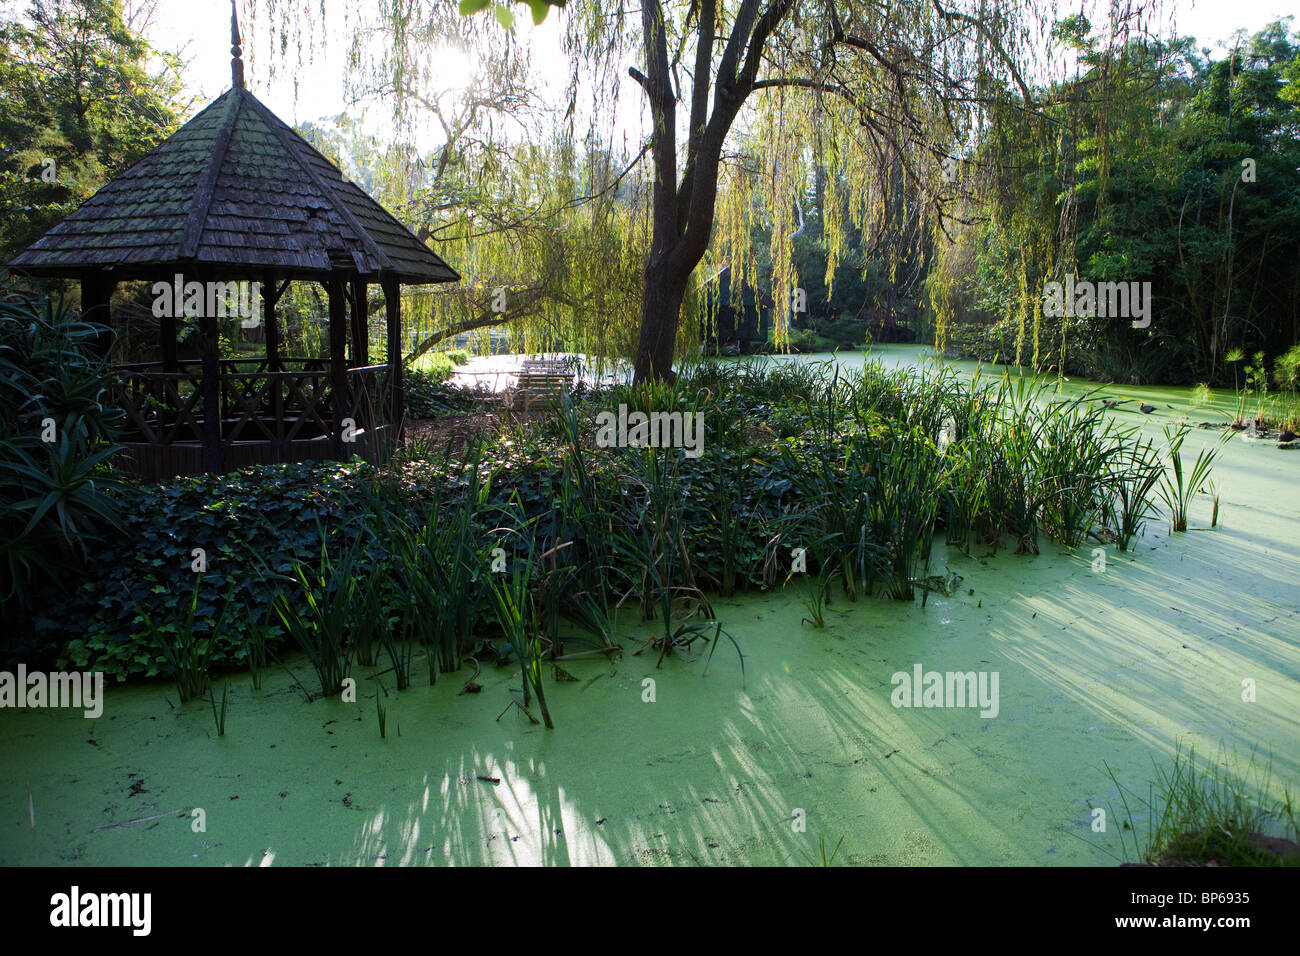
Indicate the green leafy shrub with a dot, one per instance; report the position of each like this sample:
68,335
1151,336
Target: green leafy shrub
255,527
863,469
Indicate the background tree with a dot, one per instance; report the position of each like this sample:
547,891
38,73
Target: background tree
877,91
82,97
1152,164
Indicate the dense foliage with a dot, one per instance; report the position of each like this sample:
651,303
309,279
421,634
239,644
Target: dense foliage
78,104
860,470
1153,164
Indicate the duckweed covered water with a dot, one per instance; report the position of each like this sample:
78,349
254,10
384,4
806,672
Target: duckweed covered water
1099,672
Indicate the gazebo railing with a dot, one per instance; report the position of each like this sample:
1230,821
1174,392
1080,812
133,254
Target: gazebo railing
293,403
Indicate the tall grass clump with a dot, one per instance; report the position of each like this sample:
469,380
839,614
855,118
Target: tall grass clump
516,613
1210,814
432,587
1134,469
1012,447
817,582
185,646
835,484
910,477
1178,487
651,549
1073,465
577,563
320,612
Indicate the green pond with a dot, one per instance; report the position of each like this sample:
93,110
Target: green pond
1102,675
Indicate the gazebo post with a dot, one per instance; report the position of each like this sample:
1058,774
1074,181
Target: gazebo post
96,292
269,301
360,324
211,394
167,342
393,313
334,288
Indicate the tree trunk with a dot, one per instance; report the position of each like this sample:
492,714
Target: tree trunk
683,217
661,303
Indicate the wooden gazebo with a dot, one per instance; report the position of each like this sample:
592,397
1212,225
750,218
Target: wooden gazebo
235,195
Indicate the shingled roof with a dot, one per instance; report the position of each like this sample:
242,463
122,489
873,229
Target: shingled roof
233,187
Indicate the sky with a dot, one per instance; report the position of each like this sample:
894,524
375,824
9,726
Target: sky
201,29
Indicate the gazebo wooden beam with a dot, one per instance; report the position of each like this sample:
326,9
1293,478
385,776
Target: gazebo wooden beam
212,451
342,406
167,342
393,314
270,298
96,294
360,323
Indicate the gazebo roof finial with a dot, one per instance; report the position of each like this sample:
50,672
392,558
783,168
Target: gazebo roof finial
236,64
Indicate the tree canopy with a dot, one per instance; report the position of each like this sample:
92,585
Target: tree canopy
82,96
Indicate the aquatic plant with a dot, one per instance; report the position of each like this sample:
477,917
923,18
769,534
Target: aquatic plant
575,582
219,716
817,589
407,605
516,613
1073,464
733,511
430,591
1209,815
651,549
186,649
1011,452
909,489
255,635
822,859
320,612
1133,470
1177,490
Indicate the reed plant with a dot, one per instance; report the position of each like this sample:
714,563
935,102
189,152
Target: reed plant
1073,465
186,647
256,632
1178,487
219,716
835,485
1209,813
817,587
516,613
320,612
1133,471
911,475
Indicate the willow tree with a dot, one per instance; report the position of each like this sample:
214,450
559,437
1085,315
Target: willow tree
880,91
743,99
